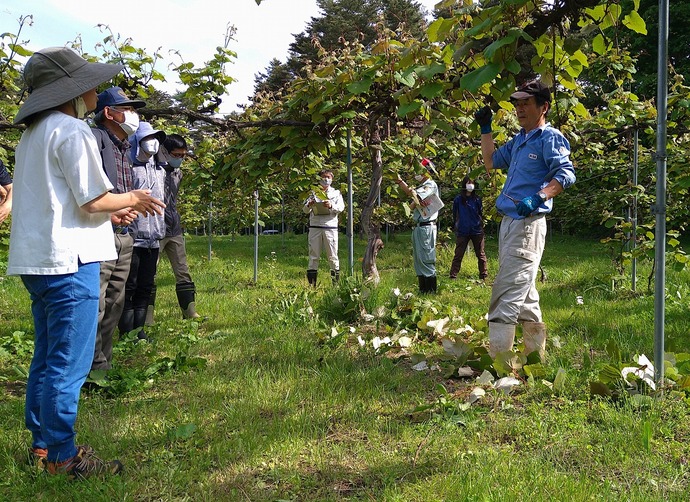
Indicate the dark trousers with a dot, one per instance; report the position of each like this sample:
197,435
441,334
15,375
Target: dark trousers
142,273
114,276
461,242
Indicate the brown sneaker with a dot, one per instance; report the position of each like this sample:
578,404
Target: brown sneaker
84,464
37,458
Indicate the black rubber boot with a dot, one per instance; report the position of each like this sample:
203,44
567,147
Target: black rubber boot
431,284
152,303
335,276
422,283
139,319
126,322
186,296
311,277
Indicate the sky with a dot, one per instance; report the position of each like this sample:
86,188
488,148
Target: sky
193,27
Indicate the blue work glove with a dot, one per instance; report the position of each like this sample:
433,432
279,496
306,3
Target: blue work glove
483,117
528,205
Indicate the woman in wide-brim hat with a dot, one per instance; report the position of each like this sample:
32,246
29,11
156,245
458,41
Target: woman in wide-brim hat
60,233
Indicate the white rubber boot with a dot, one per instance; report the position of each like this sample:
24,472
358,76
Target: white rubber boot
534,337
501,338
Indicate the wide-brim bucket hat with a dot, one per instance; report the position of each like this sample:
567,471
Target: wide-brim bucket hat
56,75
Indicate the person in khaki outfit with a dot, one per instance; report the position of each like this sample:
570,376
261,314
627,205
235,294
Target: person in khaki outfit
537,160
170,157
323,227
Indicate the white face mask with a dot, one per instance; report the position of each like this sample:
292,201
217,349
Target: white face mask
469,187
326,182
150,146
131,123
419,177
80,107
175,162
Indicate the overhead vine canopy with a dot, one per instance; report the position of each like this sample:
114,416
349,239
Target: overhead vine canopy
405,93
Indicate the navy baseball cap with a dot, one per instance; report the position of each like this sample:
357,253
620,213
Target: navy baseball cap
115,96
532,88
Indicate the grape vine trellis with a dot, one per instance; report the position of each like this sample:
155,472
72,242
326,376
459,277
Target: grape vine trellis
403,97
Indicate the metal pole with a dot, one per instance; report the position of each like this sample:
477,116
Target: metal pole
350,212
634,209
660,206
282,220
256,236
210,221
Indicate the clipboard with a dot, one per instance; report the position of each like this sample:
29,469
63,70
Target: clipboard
319,208
433,205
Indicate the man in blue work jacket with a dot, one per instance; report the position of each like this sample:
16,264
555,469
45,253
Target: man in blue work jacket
537,160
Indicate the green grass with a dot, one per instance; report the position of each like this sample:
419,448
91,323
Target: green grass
278,413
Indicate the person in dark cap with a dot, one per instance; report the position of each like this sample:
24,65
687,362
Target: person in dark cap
537,160
60,232
425,216
147,231
116,119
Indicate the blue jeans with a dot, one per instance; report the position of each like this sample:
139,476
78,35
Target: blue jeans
65,311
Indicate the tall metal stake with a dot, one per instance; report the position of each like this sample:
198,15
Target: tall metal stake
256,236
210,221
634,208
660,206
350,212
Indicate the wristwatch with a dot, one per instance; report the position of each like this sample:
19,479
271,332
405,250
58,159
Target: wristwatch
542,196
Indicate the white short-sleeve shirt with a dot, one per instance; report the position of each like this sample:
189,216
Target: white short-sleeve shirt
58,169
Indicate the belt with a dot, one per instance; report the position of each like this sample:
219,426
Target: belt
426,223
118,229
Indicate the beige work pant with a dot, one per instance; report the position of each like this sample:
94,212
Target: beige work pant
320,240
514,297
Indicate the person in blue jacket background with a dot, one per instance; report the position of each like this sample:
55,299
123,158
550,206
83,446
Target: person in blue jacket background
468,225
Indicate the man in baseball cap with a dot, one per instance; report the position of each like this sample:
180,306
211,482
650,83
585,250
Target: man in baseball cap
116,119
538,166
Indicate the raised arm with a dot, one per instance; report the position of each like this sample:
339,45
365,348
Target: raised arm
483,117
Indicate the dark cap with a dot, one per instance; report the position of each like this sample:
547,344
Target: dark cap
115,96
532,88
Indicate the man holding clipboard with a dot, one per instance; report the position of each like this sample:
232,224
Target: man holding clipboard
426,204
323,207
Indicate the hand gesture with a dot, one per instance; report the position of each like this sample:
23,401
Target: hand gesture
145,204
123,217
